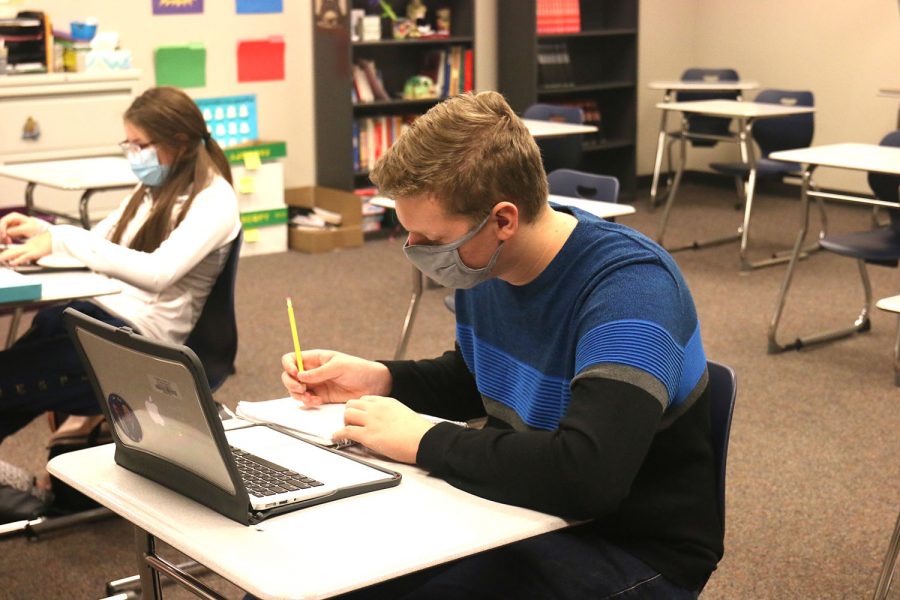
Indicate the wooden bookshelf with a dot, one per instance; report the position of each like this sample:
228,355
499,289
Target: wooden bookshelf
603,69
334,54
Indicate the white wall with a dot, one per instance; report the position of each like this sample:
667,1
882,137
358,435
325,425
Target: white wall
842,51
285,107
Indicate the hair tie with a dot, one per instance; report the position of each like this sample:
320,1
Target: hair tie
206,137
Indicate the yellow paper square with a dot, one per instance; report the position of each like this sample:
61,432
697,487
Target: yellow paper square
251,235
247,184
252,161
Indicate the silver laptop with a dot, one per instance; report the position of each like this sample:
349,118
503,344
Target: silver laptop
166,427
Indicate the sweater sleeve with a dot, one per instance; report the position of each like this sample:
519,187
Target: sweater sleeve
442,387
583,469
210,223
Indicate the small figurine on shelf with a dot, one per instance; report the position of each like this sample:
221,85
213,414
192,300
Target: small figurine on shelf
419,86
443,21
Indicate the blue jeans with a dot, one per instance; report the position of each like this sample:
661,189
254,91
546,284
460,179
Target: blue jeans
570,564
42,371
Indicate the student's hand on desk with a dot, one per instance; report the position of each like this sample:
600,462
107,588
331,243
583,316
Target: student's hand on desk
384,425
30,251
17,225
333,377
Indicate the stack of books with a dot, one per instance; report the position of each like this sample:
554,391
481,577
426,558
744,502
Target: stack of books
558,16
453,70
372,136
554,65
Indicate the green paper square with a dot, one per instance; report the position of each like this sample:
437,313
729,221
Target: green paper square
181,66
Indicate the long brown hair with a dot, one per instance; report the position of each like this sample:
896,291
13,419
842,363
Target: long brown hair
172,121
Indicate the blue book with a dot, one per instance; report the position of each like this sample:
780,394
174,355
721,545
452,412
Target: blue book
15,287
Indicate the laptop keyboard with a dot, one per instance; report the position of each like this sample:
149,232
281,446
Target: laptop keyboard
263,478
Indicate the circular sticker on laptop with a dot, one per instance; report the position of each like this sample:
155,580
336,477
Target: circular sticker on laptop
124,418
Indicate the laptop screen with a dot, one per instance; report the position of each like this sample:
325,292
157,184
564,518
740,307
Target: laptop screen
155,408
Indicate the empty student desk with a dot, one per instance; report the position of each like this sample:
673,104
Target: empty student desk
605,210
673,87
745,113
86,175
545,129
855,157
314,552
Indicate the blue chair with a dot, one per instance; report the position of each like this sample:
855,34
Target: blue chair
878,246
722,394
558,152
578,184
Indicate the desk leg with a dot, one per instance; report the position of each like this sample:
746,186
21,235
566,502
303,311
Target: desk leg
673,189
29,198
657,165
415,298
890,562
151,589
83,208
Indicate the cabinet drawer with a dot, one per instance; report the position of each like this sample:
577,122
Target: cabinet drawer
81,121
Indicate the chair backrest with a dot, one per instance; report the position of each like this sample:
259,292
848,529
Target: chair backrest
578,184
563,151
884,186
214,337
722,392
701,124
784,133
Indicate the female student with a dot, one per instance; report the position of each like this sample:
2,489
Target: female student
165,245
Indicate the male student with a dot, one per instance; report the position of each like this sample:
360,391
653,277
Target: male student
579,341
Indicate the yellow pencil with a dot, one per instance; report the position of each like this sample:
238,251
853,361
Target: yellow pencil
294,334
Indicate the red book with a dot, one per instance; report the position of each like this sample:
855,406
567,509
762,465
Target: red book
469,71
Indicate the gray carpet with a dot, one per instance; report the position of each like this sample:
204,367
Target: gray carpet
814,460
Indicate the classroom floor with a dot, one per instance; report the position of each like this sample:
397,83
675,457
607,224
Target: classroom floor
813,471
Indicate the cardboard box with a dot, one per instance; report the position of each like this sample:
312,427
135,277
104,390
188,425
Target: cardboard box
348,234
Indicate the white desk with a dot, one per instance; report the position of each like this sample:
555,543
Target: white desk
604,210
745,114
674,86
545,129
87,175
855,157
314,552
59,287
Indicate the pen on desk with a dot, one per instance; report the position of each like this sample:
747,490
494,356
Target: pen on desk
290,309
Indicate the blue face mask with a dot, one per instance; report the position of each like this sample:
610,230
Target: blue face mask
443,264
146,167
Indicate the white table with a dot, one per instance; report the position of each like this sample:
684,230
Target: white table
59,287
315,552
854,157
672,87
87,175
604,210
745,114
545,129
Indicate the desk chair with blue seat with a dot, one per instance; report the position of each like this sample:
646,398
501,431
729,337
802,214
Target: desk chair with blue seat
878,246
701,131
214,339
558,152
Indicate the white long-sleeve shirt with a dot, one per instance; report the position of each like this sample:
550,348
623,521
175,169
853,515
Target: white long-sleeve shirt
164,290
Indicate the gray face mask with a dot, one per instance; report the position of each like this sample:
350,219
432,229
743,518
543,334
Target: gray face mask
443,265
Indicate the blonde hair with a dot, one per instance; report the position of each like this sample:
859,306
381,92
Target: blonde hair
469,152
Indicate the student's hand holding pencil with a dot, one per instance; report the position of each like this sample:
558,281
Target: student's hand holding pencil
333,377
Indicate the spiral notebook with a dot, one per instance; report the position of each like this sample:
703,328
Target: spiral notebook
166,427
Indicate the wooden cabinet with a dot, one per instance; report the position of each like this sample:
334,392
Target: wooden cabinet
340,116
595,68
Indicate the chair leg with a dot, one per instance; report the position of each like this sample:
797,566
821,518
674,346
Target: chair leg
673,189
897,356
